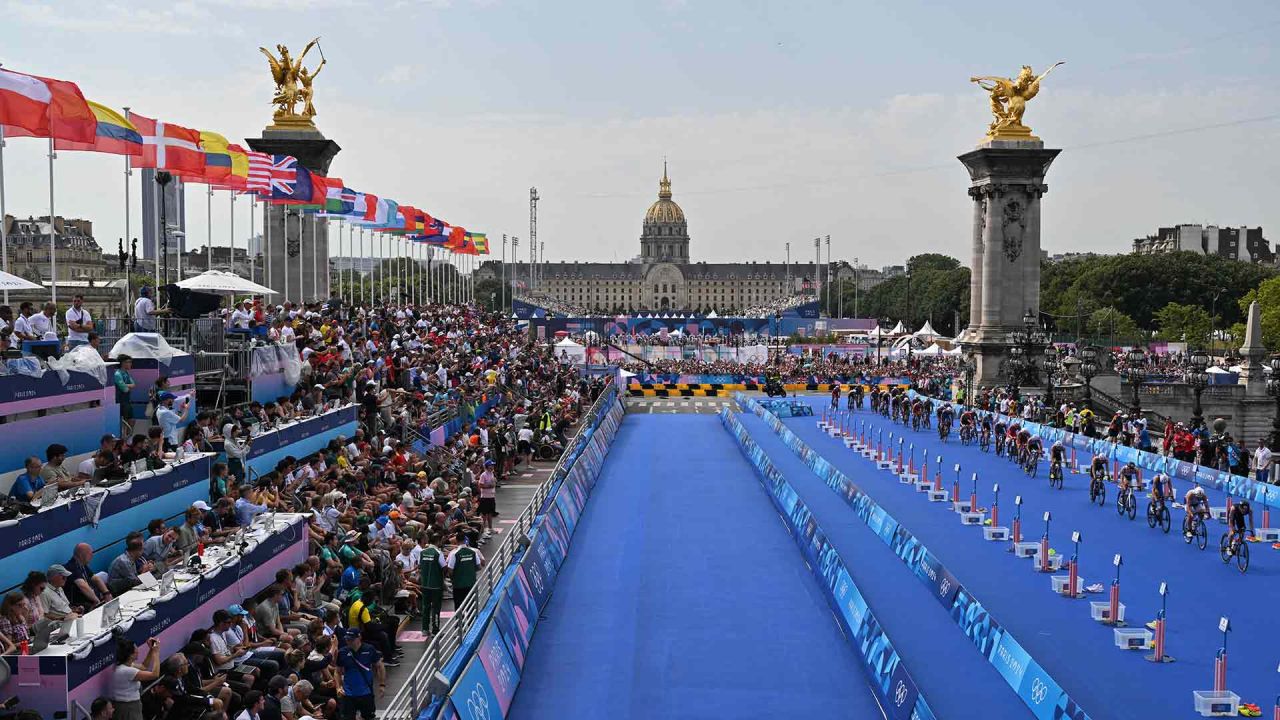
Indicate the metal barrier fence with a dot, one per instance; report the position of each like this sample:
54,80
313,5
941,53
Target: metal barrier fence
414,695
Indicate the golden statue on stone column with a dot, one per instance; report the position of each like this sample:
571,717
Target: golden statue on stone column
293,86
1009,98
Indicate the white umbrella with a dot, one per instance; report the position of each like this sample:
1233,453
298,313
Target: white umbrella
219,281
13,282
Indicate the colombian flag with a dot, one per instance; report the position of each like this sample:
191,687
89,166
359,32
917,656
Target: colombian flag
115,134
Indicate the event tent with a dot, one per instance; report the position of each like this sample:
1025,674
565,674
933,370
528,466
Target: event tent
13,282
899,329
926,332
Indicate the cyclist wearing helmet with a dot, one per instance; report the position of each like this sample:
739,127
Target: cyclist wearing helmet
1129,473
1161,488
1236,522
1195,503
1058,454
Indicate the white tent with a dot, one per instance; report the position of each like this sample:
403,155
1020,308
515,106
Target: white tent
926,332
898,329
933,349
13,282
877,333
576,353
223,283
712,314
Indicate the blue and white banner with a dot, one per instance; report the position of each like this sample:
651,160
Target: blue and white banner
898,692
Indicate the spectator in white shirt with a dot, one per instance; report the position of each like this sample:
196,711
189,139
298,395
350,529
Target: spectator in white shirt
240,317
79,322
44,325
144,312
22,324
1262,461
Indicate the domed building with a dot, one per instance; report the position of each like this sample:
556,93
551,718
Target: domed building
662,277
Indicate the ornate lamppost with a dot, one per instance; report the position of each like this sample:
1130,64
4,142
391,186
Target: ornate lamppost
1088,369
1273,389
1051,364
1197,377
1136,374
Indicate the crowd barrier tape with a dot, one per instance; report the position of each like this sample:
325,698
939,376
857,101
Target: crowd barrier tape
1229,483
898,692
485,671
1033,684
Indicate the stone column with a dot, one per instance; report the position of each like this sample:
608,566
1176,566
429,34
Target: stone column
975,261
310,282
1007,182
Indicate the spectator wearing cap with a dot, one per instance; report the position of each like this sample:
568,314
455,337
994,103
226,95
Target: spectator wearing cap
363,676
241,646
144,312
57,606
55,472
171,420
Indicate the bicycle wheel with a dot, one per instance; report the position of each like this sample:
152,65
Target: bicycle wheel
1153,515
1166,520
1242,556
1121,508
1224,548
1102,493
1202,535
1187,530
1132,502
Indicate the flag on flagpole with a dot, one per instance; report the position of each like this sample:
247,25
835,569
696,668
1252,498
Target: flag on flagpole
115,134
169,147
238,178
290,182
34,106
480,242
259,180
217,160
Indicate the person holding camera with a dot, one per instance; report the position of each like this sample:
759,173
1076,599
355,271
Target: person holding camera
128,677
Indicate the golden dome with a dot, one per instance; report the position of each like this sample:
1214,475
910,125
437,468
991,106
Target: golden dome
665,211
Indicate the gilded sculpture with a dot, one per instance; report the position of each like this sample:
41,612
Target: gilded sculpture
1009,97
293,86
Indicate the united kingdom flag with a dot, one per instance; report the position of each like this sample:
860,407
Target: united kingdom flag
290,182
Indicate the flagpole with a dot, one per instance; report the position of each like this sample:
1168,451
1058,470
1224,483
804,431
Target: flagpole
248,246
53,230
208,246
363,284
231,195
4,238
315,259
128,172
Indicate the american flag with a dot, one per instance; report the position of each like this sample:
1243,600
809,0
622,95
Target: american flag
259,173
284,173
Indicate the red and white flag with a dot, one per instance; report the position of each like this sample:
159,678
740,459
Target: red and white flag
259,173
40,107
169,147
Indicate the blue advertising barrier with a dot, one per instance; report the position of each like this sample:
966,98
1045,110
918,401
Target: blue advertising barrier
898,693
1234,485
301,438
485,670
37,541
1023,673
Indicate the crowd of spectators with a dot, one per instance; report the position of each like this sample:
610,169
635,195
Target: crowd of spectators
397,524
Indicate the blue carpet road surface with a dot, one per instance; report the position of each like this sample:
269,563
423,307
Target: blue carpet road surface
684,596
952,674
1077,651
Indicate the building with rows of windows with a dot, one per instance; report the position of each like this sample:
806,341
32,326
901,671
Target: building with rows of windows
663,278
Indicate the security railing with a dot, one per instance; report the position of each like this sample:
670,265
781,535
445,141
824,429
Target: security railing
416,693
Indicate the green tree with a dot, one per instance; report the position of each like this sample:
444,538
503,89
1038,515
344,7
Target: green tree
1185,323
1268,296
939,286
1112,325
1140,285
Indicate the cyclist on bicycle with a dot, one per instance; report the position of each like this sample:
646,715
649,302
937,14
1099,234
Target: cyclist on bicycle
1034,448
1023,437
1196,504
945,416
1057,455
1161,488
998,432
967,421
1098,468
1127,473
835,397
1236,523
855,390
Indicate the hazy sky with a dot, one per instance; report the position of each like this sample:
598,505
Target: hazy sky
781,120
